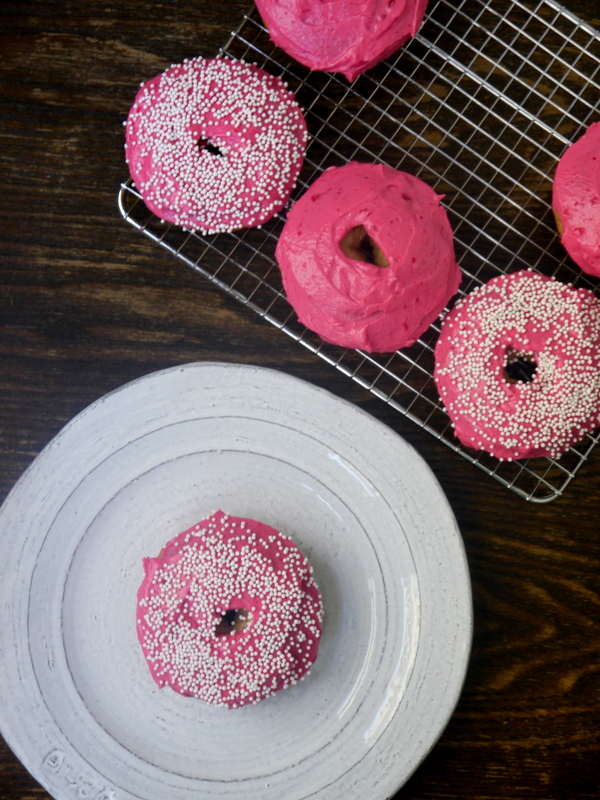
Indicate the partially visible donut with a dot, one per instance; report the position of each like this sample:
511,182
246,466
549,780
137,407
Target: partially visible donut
229,612
367,257
547,329
576,200
215,144
347,36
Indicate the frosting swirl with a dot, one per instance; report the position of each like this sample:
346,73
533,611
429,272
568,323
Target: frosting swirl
576,200
347,36
345,295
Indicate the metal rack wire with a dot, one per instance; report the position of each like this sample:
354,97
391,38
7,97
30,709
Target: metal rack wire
481,104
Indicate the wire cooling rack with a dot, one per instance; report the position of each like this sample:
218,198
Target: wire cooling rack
481,104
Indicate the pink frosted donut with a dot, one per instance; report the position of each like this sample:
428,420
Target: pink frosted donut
367,257
347,36
229,612
545,328
215,144
576,200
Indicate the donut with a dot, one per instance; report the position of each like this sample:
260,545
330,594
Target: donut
367,257
576,200
229,612
341,36
517,366
215,144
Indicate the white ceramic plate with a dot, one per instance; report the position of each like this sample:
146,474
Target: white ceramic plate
78,704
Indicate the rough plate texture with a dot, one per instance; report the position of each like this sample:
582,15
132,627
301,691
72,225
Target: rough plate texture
150,459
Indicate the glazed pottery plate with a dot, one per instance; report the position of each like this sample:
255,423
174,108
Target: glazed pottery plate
79,706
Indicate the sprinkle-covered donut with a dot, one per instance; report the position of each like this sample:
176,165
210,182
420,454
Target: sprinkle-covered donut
576,200
367,257
518,366
347,36
215,144
229,612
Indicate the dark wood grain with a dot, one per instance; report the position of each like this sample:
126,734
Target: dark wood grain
87,305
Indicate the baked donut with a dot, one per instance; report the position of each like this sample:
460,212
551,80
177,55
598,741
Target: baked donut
367,257
347,36
576,200
528,322
215,144
229,612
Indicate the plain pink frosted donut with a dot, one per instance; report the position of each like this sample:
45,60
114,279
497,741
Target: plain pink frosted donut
529,316
347,300
215,144
221,566
347,36
576,200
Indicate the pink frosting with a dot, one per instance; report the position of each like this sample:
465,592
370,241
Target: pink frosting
548,323
215,144
576,200
347,36
225,564
354,303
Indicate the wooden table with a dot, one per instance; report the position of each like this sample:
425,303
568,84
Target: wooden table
88,305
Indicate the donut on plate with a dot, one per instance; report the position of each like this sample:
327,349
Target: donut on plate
229,612
367,257
347,36
517,365
576,200
215,144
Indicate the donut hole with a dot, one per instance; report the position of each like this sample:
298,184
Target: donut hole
358,245
206,144
232,621
519,366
